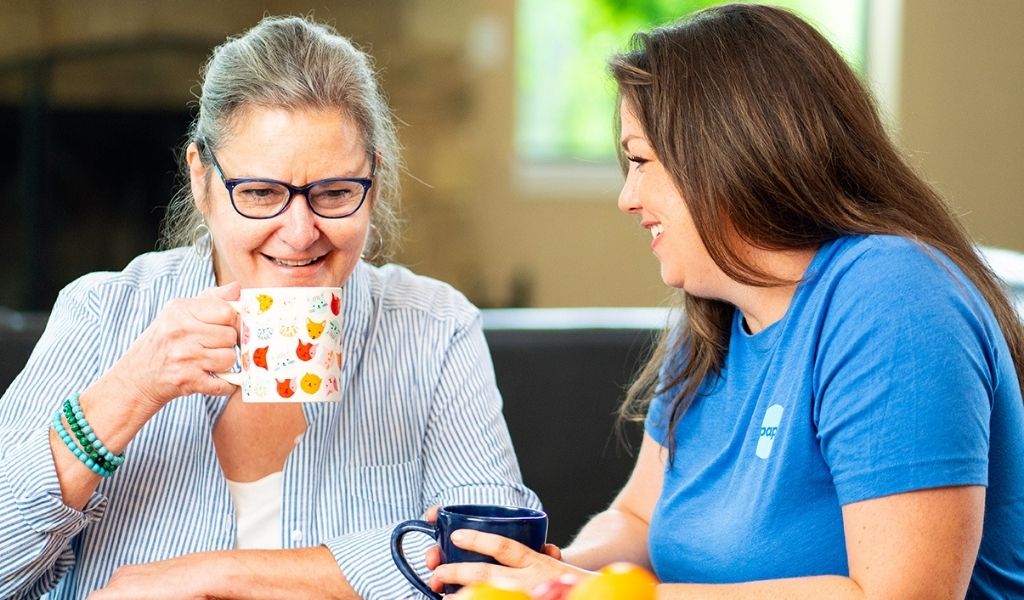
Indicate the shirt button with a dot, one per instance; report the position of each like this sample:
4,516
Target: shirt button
296,535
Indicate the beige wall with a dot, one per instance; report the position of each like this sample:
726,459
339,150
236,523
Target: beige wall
448,69
962,109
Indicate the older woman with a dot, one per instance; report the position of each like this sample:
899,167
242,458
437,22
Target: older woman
192,493
840,413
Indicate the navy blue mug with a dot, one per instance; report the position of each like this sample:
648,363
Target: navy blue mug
524,525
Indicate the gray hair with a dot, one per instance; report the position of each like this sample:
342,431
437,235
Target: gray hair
292,63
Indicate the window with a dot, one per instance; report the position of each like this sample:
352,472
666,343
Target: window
566,102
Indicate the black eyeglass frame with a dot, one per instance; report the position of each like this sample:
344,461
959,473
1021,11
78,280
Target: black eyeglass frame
231,184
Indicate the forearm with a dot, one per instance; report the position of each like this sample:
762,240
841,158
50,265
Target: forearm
799,588
115,419
236,574
613,535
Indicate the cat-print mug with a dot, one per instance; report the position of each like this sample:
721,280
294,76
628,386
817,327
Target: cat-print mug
289,344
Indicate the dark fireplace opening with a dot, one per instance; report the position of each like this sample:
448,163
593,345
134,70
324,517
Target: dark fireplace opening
84,190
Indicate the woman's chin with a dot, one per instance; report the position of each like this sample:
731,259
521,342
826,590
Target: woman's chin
672,280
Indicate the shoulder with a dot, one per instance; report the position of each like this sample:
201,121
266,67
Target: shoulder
901,300
891,272
165,274
397,289
875,256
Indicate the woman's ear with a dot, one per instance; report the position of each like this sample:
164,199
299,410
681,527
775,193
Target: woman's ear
197,175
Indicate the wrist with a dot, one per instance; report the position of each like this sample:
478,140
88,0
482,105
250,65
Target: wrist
294,573
115,410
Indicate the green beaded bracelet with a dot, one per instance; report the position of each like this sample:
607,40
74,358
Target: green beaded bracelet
84,441
73,447
97,445
89,449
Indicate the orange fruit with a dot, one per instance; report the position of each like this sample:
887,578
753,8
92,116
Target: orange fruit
491,590
617,581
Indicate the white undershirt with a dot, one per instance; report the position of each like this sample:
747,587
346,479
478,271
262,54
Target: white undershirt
258,511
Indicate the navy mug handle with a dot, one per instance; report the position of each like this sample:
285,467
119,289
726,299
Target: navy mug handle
399,558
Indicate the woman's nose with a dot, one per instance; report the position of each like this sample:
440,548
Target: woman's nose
629,199
299,229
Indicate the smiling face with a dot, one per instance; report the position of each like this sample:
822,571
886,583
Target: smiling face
650,194
297,247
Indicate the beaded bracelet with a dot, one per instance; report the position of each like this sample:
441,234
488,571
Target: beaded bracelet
76,409
84,433
89,450
73,447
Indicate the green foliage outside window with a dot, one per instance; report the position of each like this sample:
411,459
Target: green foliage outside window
566,101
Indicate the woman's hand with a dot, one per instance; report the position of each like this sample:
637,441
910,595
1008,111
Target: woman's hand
519,564
189,339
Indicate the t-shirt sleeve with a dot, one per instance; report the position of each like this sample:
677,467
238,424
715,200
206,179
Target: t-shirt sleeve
905,377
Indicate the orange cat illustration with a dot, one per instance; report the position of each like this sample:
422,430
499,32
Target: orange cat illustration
305,351
285,389
259,356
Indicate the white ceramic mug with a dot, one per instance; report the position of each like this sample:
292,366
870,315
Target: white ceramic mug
290,345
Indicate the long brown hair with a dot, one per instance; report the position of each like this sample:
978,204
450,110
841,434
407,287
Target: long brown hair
764,128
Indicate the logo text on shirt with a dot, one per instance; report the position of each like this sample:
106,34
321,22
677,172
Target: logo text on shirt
769,429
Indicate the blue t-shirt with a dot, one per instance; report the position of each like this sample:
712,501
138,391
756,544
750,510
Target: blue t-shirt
888,373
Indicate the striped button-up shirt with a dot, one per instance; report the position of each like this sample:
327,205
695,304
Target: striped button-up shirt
419,424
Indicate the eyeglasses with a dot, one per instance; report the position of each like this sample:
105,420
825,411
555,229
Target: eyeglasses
334,198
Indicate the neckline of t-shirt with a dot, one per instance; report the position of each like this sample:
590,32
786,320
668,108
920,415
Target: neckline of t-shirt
766,339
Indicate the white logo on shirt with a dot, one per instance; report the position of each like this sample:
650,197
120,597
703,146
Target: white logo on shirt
769,429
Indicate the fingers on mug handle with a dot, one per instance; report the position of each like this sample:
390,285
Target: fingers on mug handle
432,557
230,377
398,556
233,377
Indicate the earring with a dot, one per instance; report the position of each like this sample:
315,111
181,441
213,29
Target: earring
371,257
202,241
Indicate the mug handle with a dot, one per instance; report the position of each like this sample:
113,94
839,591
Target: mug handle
232,377
399,558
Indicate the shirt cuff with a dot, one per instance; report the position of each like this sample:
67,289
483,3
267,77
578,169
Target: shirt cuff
365,560
28,473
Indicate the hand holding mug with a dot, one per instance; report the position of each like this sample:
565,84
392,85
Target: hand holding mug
512,562
523,527
189,339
